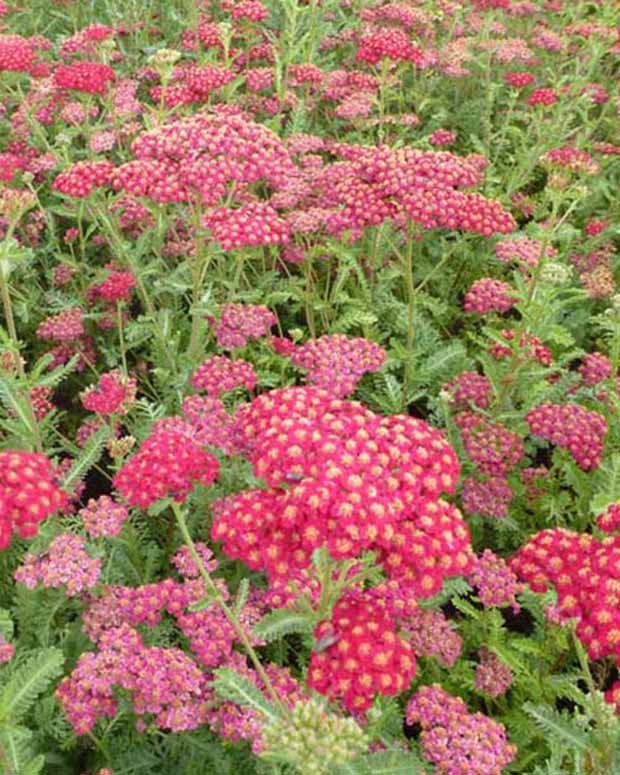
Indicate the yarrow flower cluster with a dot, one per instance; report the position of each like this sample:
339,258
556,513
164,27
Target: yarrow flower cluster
572,427
456,741
65,564
168,464
584,572
595,368
113,394
103,516
431,634
84,76
489,497
367,658
250,225
469,389
240,322
67,326
491,446
497,584
28,493
83,177
337,363
220,374
164,684
609,520
489,295
493,677
341,476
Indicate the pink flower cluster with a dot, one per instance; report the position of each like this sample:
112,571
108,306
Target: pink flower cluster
497,584
489,295
493,677
83,177
220,374
491,446
240,322
609,520
28,493
489,497
337,363
530,347
168,464
103,516
251,225
525,250
202,156
66,564
432,635
6,650
210,423
470,389
66,326
595,368
572,427
163,683
456,741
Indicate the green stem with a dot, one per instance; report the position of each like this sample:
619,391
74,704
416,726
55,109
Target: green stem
227,611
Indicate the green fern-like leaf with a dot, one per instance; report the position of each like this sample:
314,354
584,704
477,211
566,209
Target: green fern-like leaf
277,624
27,682
558,727
231,686
89,455
383,763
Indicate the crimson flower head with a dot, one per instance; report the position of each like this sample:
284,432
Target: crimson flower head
168,465
28,493
88,77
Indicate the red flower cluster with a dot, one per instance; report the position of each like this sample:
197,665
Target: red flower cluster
530,346
375,184
572,159
489,295
442,137
89,77
168,464
337,363
609,521
192,83
28,494
573,428
525,250
220,374
344,477
249,226
16,54
117,286
365,656
585,572
377,43
519,79
542,97
83,177
113,394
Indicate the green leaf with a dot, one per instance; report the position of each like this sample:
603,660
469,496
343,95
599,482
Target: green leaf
231,686
15,748
556,726
383,763
89,455
281,622
27,682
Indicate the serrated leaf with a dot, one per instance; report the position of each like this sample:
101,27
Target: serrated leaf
233,687
383,763
554,725
90,454
277,624
27,682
